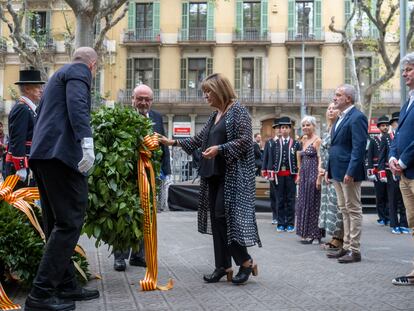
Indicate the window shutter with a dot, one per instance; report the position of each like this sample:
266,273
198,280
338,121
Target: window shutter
132,17
209,66
28,24
291,19
263,19
210,20
291,78
156,74
48,18
348,11
258,65
237,74
373,29
184,21
183,83
129,74
239,19
318,19
318,77
348,74
156,20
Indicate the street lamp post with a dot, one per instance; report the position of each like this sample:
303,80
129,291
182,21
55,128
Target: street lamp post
403,47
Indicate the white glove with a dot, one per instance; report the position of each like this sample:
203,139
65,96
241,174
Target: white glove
22,173
88,157
383,179
372,177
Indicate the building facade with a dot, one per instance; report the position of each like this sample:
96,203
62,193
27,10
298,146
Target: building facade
259,45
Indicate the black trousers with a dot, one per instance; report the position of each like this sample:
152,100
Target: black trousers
125,254
381,200
64,199
223,252
273,199
395,203
286,196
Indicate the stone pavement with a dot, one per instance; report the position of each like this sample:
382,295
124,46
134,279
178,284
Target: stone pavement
291,276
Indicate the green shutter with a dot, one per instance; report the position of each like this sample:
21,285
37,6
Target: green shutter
263,19
129,74
156,20
28,22
291,78
291,19
156,72
348,68
258,65
209,66
318,77
184,21
183,82
131,17
237,73
210,20
373,29
239,19
318,19
48,18
348,11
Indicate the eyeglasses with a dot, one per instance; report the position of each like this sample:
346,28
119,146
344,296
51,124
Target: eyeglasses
143,99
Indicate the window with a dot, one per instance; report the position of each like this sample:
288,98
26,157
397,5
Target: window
251,19
309,74
144,21
247,73
196,74
197,21
143,72
39,23
363,68
304,18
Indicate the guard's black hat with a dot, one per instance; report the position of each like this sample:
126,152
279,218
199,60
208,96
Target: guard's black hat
276,123
29,76
395,116
285,121
383,120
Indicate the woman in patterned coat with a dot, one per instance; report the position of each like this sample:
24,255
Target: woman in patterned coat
330,217
227,188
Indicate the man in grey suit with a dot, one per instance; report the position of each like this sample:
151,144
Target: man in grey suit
346,168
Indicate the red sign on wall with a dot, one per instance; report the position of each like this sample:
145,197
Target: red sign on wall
181,129
372,127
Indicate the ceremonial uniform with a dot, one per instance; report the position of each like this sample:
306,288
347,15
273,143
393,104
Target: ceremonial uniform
372,172
395,201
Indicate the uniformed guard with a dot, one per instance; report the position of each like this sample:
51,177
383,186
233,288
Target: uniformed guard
267,169
21,123
372,172
395,202
285,167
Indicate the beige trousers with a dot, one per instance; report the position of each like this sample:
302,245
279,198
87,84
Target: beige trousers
407,191
349,203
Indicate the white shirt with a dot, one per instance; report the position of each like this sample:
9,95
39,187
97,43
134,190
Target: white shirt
285,140
30,103
411,94
342,116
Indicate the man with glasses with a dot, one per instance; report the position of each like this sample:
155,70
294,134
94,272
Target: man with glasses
142,99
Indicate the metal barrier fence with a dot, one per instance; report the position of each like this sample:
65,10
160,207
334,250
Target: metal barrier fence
183,166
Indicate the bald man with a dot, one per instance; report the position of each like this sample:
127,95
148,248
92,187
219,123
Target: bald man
61,155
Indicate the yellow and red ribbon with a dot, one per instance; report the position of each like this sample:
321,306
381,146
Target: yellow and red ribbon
146,187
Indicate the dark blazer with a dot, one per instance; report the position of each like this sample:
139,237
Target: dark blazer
294,147
347,152
257,155
158,127
402,146
373,152
268,155
63,116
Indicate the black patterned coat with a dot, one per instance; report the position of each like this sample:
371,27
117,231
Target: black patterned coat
239,184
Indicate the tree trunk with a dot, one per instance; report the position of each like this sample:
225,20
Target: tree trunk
84,30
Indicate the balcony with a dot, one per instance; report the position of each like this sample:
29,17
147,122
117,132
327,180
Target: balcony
309,36
45,42
264,98
141,36
3,46
251,35
196,36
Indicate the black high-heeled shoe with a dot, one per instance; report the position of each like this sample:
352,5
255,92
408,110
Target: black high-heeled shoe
217,275
244,273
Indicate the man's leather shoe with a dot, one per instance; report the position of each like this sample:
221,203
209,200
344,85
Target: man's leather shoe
78,294
137,261
119,265
45,304
350,257
339,253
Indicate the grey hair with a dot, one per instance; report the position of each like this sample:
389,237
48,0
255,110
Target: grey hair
349,90
309,119
407,59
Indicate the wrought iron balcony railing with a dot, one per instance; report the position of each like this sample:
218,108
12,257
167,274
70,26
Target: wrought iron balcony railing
251,34
3,45
45,41
306,34
251,97
141,35
196,34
